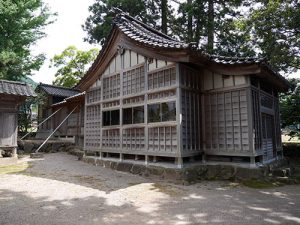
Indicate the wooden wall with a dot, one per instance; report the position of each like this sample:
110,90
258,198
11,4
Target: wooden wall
214,81
8,120
226,123
130,82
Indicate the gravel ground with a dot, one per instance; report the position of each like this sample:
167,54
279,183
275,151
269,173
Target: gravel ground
61,190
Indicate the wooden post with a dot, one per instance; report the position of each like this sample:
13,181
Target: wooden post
178,117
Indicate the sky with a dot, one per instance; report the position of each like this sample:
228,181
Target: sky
66,31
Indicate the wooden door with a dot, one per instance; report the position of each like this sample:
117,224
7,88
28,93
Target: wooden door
8,130
268,137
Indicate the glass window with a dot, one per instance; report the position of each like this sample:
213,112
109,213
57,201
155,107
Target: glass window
162,112
133,115
111,118
168,110
127,116
115,117
138,114
106,118
154,113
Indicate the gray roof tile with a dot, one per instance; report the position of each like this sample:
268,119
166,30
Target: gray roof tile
16,88
141,32
57,90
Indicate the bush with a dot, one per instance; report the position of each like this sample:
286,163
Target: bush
291,149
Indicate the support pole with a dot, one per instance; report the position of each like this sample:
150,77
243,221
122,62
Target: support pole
41,123
55,129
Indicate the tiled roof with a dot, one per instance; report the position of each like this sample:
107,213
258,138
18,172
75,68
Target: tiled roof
145,34
148,36
16,88
57,91
236,60
73,98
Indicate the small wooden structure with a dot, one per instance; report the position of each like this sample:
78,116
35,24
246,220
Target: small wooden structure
151,97
74,125
52,94
12,94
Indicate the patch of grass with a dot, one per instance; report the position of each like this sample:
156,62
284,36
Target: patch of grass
16,168
259,184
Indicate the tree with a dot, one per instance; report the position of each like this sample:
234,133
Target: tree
204,21
274,27
71,65
21,25
99,23
290,104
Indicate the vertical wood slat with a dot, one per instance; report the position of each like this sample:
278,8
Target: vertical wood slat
178,112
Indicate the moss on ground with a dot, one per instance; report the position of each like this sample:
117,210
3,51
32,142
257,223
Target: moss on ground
15,168
260,184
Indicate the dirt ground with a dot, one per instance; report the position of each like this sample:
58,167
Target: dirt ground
59,189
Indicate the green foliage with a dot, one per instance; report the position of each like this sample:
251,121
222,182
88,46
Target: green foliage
210,21
71,65
99,23
290,105
231,28
24,116
21,25
275,31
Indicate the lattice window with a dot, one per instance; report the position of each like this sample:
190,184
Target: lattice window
111,138
111,87
163,139
190,109
162,95
134,139
134,100
277,123
134,81
189,78
162,78
226,121
256,120
266,100
93,127
111,104
94,95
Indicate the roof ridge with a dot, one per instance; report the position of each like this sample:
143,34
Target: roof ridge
55,86
127,16
13,82
148,27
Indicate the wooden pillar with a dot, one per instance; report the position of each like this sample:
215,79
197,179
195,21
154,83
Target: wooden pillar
154,159
252,161
179,162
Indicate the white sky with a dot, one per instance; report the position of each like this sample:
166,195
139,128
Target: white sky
66,31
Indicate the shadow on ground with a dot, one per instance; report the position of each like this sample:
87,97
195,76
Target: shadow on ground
61,190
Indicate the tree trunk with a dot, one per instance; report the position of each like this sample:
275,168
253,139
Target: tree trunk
164,12
210,27
190,21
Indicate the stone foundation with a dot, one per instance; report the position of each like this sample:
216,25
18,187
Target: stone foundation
190,174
